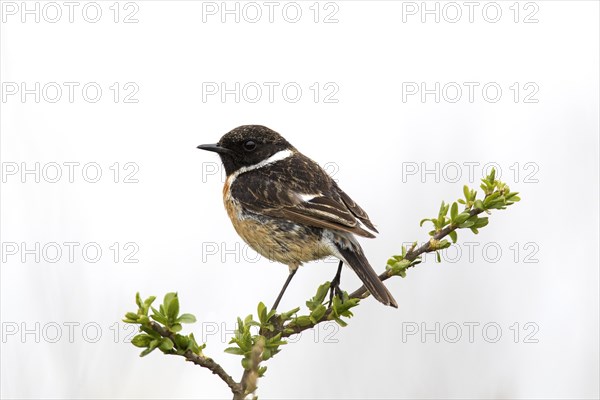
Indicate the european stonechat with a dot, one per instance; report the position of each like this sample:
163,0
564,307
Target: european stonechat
288,209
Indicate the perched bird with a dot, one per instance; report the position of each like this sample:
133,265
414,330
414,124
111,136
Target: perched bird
288,209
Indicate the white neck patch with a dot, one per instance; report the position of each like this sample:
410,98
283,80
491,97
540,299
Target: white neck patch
280,155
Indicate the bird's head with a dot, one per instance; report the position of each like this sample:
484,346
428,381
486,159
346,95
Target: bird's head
248,145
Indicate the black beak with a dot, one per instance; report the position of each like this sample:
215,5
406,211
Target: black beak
215,147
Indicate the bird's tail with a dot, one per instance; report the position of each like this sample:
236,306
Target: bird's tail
355,258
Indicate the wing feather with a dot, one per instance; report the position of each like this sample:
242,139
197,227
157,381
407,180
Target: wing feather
298,190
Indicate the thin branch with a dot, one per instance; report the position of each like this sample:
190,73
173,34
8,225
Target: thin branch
205,362
412,254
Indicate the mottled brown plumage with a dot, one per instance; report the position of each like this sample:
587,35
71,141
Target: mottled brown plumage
274,191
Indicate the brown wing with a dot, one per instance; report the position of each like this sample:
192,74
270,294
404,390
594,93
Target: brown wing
313,213
356,210
298,190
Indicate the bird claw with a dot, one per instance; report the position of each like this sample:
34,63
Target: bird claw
334,286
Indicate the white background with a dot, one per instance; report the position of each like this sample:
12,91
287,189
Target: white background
174,214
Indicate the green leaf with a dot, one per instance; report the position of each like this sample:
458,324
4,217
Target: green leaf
467,224
233,350
147,351
317,300
491,198
440,222
193,345
288,315
246,363
131,315
480,222
443,244
443,211
150,332
141,340
182,342
462,217
158,317
266,354
466,193
303,320
275,341
453,236
166,344
152,345
318,313
249,321
341,307
171,306
492,176
186,319
437,256
398,267
262,312
261,371
453,211
157,312
148,302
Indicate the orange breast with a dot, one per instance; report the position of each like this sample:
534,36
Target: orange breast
290,247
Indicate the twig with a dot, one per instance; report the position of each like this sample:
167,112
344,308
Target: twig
412,254
206,362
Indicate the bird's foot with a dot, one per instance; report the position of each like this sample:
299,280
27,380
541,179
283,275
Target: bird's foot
334,286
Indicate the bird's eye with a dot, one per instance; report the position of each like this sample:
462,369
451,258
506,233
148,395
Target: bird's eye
250,145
